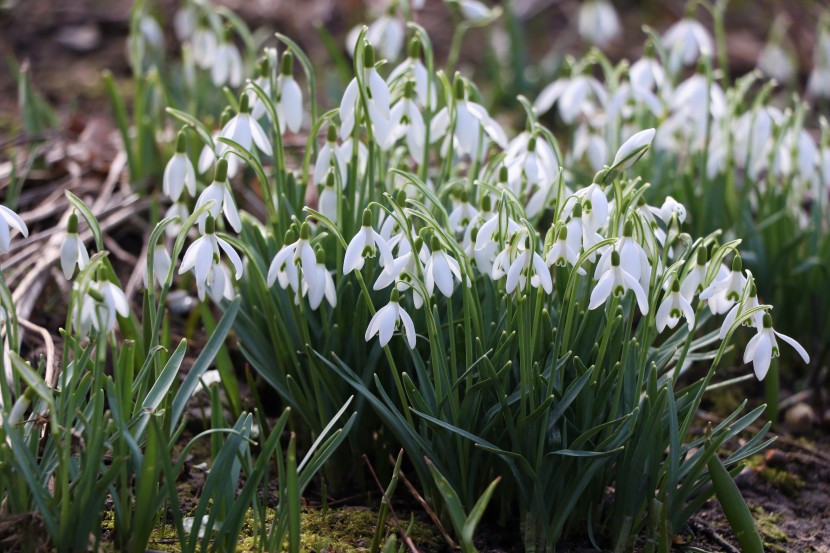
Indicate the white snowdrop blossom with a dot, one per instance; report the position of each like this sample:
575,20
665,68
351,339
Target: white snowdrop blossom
818,84
10,220
405,120
289,97
647,72
386,321
617,281
386,32
319,284
695,280
598,22
204,46
577,95
527,263
219,191
440,270
73,251
245,131
633,149
470,120
475,11
763,347
366,243
179,210
673,308
202,257
299,254
725,291
331,157
686,41
562,253
412,67
378,98
161,265
462,214
226,64
101,303
179,173
751,302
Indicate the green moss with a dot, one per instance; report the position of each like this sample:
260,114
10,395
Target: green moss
775,539
785,481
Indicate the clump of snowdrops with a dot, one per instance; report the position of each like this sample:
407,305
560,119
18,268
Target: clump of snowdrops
500,310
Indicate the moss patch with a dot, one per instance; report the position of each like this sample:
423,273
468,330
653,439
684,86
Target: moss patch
775,539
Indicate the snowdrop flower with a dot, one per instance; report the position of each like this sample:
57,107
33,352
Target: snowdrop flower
73,251
299,253
755,320
330,157
672,209
617,281
185,21
209,378
590,143
695,279
327,203
763,347
633,149
406,120
179,173
366,243
598,22
204,45
101,303
208,156
386,32
470,119
219,191
226,66
243,129
378,98
633,258
574,96
440,269
413,67
818,85
776,60
319,283
580,236
180,210
283,269
202,257
686,41
725,291
10,220
498,228
462,214
161,265
646,72
562,254
530,157
673,308
263,81
526,263
385,322
475,11
289,97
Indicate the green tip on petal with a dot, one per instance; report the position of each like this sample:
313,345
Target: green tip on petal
563,233
243,104
628,229
474,234
675,286
221,174
227,36
210,225
305,231
264,66
400,197
419,243
577,210
290,237
287,67
464,197
737,264
486,203
321,256
702,256
331,135
368,56
409,89
95,294
767,320
753,291
531,144
425,234
615,258
503,174
72,224
367,217
395,296
648,51
330,179
181,142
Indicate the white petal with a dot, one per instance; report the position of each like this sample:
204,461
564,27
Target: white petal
409,327
601,291
796,346
761,357
69,255
662,315
232,256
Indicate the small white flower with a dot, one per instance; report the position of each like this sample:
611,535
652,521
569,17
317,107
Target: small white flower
673,308
386,321
725,291
161,264
10,220
386,32
298,253
755,320
289,97
695,279
763,347
598,22
646,72
413,67
475,11
226,64
180,210
319,284
223,202
617,281
209,378
283,268
202,257
440,269
378,97
245,131
179,173
562,253
575,95
470,120
331,157
185,21
73,251
366,243
406,120
633,257
527,262
208,156
633,149
686,41
100,306
462,214
327,202
204,46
